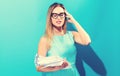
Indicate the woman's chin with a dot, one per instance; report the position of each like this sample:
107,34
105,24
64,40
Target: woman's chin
58,25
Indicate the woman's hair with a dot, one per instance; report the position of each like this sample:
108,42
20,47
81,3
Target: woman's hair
49,26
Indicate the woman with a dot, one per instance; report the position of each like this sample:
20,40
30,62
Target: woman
58,41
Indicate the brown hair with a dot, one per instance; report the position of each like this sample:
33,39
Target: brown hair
49,27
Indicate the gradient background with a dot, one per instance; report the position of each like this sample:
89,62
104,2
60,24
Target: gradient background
22,22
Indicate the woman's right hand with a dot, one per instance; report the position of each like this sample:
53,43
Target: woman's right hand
53,68
64,65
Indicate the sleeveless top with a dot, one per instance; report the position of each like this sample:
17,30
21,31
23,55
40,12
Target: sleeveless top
64,47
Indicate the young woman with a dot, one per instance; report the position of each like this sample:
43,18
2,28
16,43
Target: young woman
60,42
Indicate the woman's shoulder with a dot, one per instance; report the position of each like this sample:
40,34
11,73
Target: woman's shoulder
43,39
72,32
43,42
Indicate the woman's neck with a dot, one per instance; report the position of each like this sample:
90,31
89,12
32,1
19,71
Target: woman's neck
58,31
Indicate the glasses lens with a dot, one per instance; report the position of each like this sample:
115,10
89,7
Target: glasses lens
62,15
54,15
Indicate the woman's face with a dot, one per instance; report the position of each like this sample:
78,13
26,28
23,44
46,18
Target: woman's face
58,16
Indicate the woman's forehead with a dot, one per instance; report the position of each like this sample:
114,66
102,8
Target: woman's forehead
58,10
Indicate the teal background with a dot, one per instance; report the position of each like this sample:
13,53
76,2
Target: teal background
22,22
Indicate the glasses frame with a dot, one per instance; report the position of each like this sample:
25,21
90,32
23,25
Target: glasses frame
58,15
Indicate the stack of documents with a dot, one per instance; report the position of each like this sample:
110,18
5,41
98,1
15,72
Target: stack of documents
51,61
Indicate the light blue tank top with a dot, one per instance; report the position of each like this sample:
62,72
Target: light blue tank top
64,47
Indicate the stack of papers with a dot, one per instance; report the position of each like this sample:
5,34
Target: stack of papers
51,61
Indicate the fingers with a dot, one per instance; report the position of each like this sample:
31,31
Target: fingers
65,64
69,17
58,67
67,12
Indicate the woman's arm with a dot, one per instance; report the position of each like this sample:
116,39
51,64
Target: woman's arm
50,69
42,51
81,36
47,69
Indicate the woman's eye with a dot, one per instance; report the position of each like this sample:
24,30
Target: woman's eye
54,15
61,14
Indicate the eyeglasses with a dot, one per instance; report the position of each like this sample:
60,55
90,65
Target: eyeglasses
55,15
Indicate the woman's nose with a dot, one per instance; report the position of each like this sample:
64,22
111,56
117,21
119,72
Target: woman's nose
59,17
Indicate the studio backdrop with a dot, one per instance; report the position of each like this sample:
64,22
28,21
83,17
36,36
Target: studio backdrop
22,23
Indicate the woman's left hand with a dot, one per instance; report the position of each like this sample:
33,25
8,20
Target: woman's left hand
69,17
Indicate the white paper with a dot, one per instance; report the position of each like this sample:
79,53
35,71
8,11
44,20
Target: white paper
52,61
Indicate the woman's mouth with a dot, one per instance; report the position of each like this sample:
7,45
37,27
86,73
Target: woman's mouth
58,22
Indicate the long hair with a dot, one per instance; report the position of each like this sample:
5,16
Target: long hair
49,27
